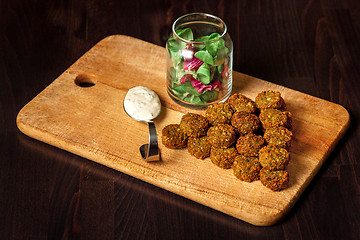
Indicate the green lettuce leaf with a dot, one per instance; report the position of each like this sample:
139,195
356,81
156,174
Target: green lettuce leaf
203,74
205,56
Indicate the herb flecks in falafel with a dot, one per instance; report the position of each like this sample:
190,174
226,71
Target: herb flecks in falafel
246,168
270,99
274,158
274,118
245,123
241,103
278,136
199,147
194,125
250,144
221,136
223,157
173,137
219,113
276,180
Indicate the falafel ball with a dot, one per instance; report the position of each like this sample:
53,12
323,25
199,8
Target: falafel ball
273,118
219,113
241,103
250,144
199,147
276,180
194,125
173,137
278,136
245,123
270,99
274,158
221,135
223,157
246,168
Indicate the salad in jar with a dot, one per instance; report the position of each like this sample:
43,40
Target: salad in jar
199,67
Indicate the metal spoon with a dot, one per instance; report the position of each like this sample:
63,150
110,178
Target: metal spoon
149,152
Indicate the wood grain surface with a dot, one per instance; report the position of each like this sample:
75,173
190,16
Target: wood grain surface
311,46
91,122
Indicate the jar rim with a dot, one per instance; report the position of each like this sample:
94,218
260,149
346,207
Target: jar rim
221,22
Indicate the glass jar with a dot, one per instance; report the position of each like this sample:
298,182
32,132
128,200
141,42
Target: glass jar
199,61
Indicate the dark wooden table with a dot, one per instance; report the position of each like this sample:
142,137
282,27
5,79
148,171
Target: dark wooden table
312,46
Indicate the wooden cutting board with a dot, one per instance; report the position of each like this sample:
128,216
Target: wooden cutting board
91,122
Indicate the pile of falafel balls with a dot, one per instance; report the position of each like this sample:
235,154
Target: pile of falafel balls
251,137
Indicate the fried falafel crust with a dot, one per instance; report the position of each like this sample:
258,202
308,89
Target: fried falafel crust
194,125
221,135
246,168
219,113
173,137
270,99
276,180
278,136
241,103
274,158
199,147
250,144
274,118
223,157
245,123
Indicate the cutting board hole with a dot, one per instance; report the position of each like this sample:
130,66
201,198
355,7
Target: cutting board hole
85,80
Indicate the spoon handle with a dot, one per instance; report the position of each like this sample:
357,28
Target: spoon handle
150,152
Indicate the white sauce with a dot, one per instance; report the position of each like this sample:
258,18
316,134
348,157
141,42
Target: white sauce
142,103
